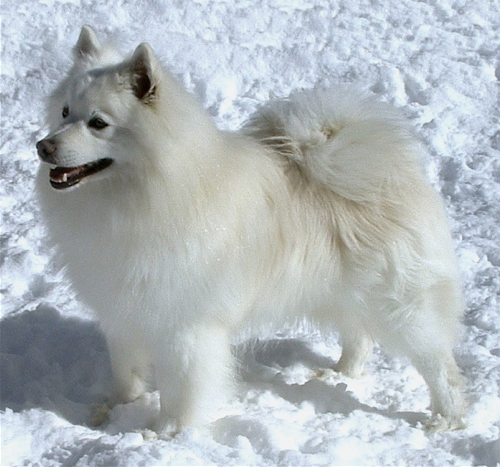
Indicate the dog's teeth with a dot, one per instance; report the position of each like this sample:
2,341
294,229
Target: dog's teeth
65,177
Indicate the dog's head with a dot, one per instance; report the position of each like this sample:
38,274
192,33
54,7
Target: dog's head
104,116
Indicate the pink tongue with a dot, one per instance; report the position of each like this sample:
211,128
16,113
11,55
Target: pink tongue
61,174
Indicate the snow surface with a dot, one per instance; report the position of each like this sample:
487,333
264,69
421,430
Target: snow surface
439,60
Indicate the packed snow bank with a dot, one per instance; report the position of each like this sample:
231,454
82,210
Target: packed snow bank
438,61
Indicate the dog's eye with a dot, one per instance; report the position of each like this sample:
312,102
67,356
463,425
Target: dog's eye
97,123
65,111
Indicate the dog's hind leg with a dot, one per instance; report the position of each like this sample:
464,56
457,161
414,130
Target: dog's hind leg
357,345
445,384
434,358
356,350
427,338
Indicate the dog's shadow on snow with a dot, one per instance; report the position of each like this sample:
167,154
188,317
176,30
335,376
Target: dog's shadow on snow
53,362
265,363
62,364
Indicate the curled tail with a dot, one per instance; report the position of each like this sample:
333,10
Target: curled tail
346,140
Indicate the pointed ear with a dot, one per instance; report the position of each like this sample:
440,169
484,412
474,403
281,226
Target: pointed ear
143,70
87,46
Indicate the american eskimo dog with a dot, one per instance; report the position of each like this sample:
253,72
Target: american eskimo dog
180,235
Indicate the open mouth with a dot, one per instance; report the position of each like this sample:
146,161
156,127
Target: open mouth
65,177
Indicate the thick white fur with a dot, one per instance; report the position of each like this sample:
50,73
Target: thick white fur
321,211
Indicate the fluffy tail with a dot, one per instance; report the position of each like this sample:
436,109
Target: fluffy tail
346,140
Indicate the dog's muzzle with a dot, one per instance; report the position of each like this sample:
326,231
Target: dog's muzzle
62,177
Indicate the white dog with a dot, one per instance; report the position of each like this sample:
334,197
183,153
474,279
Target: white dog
180,235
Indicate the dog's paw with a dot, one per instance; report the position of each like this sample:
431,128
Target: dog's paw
325,374
439,423
329,374
99,414
150,435
165,430
351,370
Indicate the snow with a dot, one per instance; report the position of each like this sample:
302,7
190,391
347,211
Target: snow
439,61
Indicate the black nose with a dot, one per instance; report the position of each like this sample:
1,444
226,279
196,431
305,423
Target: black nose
47,150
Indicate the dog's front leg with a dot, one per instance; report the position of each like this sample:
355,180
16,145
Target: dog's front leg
130,367
194,375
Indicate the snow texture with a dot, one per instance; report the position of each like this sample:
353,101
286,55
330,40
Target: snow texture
438,60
